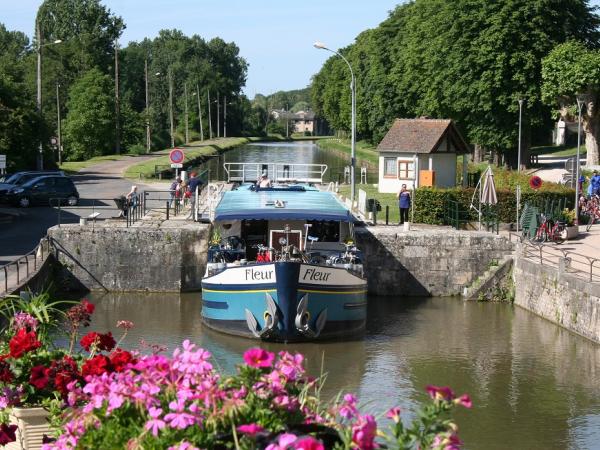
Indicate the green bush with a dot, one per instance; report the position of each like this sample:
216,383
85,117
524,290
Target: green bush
136,149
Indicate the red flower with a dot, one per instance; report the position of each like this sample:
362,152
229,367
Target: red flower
100,341
440,393
39,377
7,434
6,376
120,359
62,372
23,342
98,365
89,307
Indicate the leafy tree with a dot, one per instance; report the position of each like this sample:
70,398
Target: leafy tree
89,125
571,69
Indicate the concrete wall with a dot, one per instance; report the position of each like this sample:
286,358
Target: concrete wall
562,298
135,258
429,262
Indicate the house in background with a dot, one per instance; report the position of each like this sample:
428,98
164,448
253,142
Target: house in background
420,152
300,122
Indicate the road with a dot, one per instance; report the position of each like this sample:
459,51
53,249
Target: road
101,181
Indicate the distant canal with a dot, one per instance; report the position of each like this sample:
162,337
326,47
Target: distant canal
533,384
300,152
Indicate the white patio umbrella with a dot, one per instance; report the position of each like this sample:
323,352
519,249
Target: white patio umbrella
487,195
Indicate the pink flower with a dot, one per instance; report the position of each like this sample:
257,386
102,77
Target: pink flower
464,400
24,320
440,393
308,443
125,324
394,414
348,409
250,429
183,445
179,419
447,442
257,357
284,441
155,424
364,431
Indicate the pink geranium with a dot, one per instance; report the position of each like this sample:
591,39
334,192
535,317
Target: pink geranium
250,429
308,443
257,357
283,442
364,431
440,393
394,414
464,400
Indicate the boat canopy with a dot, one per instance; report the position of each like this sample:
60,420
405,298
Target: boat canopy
292,203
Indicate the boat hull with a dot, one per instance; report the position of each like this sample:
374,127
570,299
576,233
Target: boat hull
285,301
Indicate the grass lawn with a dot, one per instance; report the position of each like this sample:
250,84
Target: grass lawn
558,150
364,150
384,199
76,166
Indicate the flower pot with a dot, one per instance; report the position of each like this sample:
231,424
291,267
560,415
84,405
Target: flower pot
33,424
570,232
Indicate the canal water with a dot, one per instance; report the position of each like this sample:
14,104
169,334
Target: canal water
298,152
533,384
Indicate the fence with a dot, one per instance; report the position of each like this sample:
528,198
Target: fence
101,208
577,264
14,274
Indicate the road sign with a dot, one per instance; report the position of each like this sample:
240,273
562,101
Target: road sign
2,161
176,166
176,155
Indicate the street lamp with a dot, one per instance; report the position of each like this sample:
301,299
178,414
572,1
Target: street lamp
580,103
322,46
40,159
172,126
519,161
209,116
148,140
197,93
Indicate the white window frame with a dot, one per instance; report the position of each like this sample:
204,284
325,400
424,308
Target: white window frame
395,165
406,169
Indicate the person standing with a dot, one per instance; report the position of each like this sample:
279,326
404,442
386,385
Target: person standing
595,182
193,184
404,202
173,191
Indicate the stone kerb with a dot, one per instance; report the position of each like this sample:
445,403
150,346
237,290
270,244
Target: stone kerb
432,262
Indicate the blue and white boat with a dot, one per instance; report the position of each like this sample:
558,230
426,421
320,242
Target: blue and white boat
283,265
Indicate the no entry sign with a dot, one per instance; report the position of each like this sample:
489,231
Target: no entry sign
176,155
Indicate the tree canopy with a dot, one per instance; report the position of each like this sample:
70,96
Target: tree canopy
468,60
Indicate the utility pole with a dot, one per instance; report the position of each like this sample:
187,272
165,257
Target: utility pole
117,109
171,108
147,107
218,114
58,122
187,131
287,122
199,113
224,116
40,158
209,117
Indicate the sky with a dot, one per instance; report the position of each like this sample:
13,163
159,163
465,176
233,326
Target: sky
274,36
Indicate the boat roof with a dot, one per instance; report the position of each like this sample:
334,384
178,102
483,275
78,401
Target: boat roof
294,202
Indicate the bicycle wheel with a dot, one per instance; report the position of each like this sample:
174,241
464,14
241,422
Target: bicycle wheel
591,220
557,235
541,235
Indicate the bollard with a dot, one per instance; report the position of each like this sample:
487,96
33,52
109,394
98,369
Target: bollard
387,214
374,210
167,210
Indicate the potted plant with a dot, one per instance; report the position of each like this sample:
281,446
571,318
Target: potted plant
182,402
568,216
37,376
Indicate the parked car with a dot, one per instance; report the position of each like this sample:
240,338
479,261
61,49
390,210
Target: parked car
19,178
42,190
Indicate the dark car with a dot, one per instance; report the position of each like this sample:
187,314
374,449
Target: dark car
46,190
19,178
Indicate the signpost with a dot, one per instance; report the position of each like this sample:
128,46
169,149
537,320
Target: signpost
2,164
176,156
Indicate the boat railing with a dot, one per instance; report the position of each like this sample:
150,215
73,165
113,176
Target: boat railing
277,172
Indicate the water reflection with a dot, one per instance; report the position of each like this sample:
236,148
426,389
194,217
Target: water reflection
533,385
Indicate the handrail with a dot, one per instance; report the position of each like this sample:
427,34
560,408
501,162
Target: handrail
278,172
5,269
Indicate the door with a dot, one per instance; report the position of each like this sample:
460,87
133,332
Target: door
43,191
254,232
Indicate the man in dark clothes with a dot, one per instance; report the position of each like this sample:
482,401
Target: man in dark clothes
192,185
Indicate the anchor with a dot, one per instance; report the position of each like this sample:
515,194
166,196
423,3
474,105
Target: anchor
303,316
271,320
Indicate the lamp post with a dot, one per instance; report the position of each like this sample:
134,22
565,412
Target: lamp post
187,129
218,115
197,94
58,123
322,46
209,116
224,116
40,158
580,103
172,125
148,139
519,161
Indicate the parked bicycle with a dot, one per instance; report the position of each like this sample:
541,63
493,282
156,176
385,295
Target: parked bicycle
591,211
550,231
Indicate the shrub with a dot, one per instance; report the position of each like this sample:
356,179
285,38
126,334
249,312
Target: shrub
136,149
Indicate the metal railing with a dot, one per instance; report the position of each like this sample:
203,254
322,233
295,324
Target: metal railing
101,208
279,172
13,269
574,263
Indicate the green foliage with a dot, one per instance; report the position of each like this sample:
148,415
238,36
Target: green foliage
89,126
136,149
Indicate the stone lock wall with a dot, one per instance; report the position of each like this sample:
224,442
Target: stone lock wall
431,262
135,258
562,298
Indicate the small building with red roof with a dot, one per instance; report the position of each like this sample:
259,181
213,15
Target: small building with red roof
420,152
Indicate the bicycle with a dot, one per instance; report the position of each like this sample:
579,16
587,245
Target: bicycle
550,231
592,211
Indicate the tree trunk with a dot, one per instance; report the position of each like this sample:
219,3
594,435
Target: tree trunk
592,135
478,154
